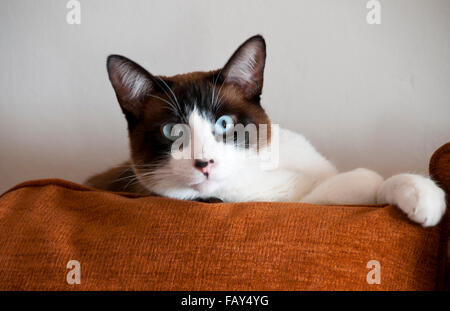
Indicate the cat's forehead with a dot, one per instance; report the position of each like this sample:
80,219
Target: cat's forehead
198,86
195,90
192,83
204,92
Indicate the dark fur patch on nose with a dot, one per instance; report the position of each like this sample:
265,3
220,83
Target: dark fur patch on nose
200,164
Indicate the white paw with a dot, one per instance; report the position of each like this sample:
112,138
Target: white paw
417,196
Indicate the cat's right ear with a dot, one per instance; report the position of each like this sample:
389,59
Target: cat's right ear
132,83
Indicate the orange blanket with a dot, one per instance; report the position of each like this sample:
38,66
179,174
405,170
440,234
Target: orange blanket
131,242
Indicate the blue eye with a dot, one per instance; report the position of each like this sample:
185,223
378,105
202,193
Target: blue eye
223,125
167,131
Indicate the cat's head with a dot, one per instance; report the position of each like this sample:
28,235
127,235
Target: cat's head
208,106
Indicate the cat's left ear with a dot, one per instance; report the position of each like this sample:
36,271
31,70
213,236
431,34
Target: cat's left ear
245,68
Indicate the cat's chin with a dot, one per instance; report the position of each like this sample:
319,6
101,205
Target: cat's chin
206,187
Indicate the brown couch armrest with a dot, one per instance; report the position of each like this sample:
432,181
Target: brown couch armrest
440,172
440,167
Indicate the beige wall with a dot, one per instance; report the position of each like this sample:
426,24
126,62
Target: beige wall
366,95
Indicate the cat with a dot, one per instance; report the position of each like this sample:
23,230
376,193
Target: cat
209,104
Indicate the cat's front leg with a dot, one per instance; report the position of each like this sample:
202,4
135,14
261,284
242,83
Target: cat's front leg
419,197
358,186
